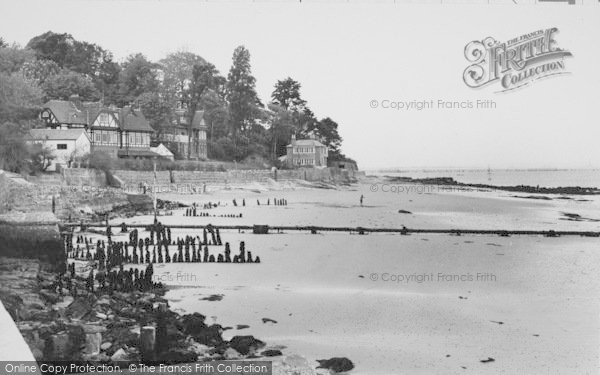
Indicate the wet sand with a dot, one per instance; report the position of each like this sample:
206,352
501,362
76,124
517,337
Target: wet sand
533,308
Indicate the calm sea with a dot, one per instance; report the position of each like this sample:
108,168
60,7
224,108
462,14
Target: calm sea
546,178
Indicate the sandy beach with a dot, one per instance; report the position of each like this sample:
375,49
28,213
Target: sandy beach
402,304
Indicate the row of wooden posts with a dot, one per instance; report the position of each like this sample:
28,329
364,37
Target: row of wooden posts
265,229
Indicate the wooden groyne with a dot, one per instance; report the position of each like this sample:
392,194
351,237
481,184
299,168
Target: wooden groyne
265,229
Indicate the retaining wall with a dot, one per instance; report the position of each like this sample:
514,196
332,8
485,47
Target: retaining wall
32,235
134,178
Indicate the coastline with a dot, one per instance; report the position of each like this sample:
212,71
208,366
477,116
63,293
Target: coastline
337,266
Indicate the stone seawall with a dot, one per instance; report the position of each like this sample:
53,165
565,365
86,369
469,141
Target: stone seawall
32,235
71,177
228,177
18,195
133,179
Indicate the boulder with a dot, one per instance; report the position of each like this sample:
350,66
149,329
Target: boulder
120,356
79,308
336,364
210,336
293,364
271,353
193,324
231,353
246,344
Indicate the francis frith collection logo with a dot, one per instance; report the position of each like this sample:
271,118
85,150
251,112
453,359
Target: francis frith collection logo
515,63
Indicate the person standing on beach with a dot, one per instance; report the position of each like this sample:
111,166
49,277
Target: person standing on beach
362,197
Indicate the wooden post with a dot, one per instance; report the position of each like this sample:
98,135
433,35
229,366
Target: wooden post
147,342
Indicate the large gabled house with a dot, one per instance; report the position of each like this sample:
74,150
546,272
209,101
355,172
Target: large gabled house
120,132
188,144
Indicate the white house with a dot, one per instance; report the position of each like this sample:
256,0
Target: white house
65,144
306,153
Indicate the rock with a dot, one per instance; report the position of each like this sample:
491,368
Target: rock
404,212
120,356
268,320
293,364
489,359
246,344
65,345
101,316
231,353
92,343
242,326
49,297
200,349
105,346
193,324
96,358
173,333
66,301
79,308
93,328
336,364
271,353
179,355
210,336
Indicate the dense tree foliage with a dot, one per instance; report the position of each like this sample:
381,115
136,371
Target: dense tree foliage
241,93
239,126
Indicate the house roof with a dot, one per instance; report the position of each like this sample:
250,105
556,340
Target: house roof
307,142
198,121
85,113
56,134
133,120
66,112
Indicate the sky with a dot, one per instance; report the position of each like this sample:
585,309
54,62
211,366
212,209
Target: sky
349,55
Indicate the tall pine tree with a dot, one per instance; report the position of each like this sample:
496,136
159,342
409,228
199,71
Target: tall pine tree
241,93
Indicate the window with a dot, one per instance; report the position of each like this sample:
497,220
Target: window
61,146
103,119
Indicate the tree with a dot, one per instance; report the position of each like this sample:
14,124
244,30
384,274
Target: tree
287,95
241,93
14,154
40,156
282,126
40,70
67,83
20,98
205,77
81,57
178,71
3,43
137,77
216,115
107,79
327,130
157,111
13,58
